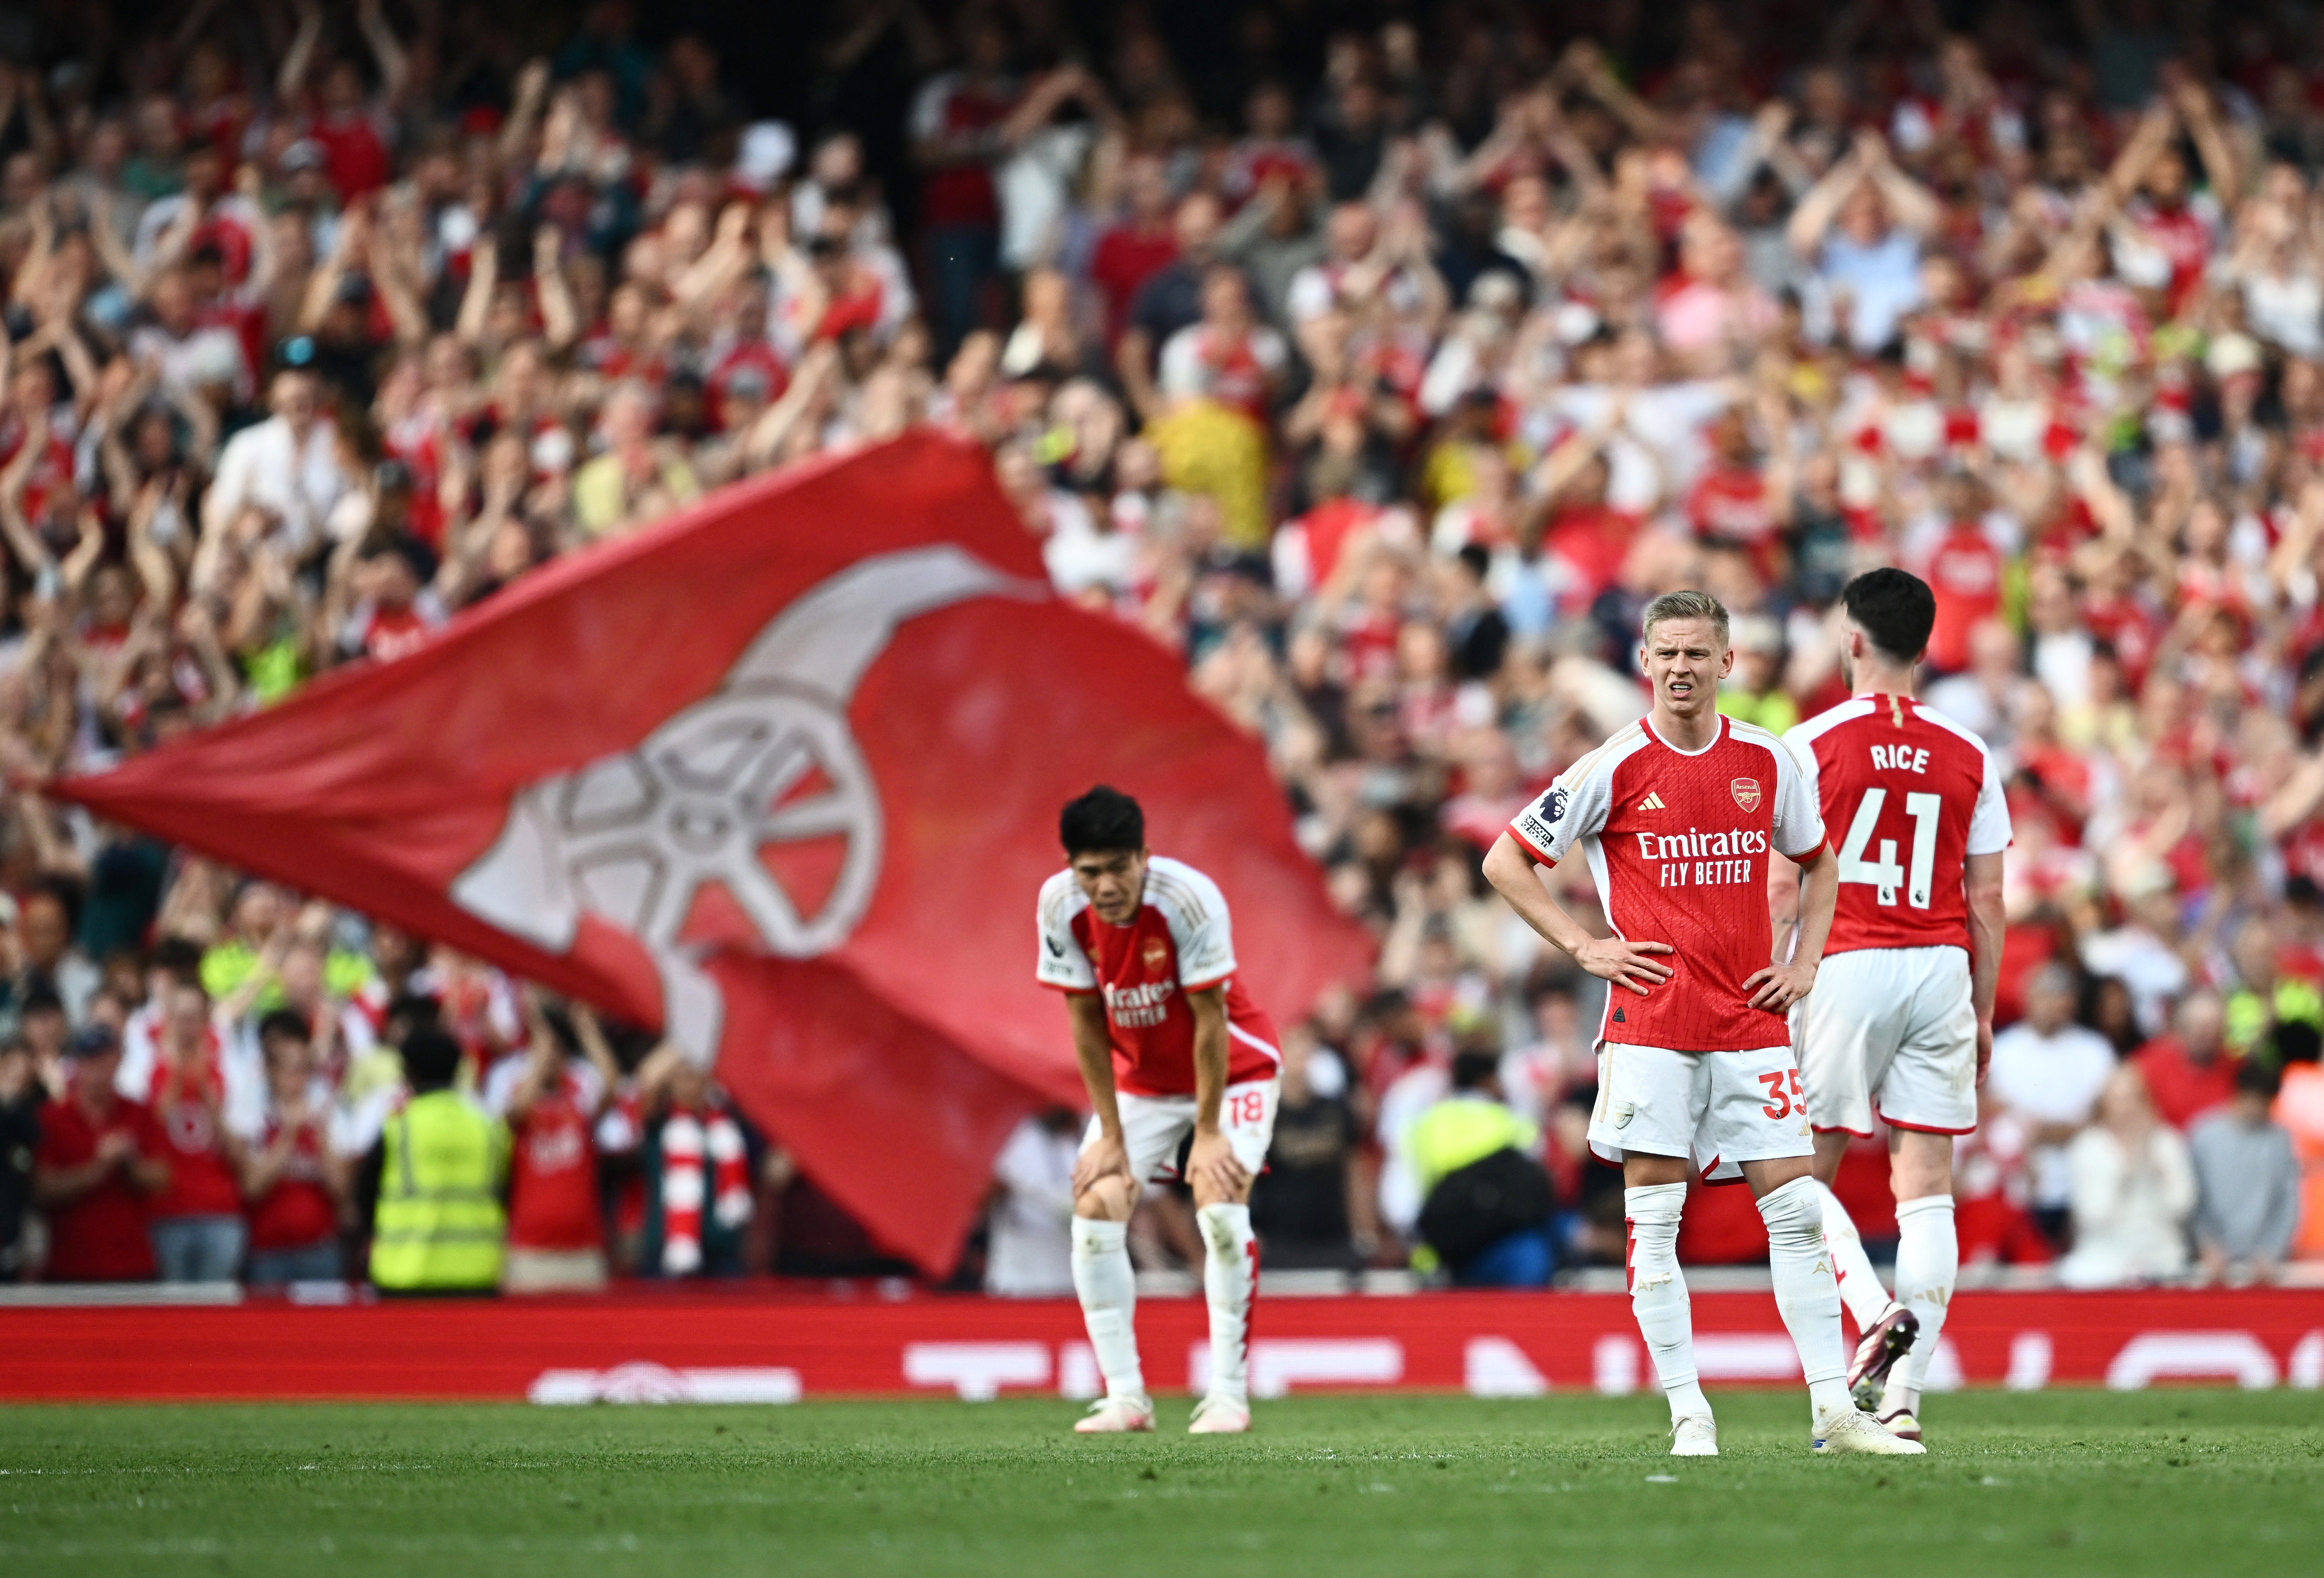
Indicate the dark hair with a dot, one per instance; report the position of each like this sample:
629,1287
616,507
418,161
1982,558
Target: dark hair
1101,822
179,957
2296,1041
40,998
1474,1070
287,1022
418,1012
431,1059
2254,1077
1895,609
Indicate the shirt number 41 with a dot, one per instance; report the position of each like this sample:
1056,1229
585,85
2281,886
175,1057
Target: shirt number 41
1885,875
1785,1096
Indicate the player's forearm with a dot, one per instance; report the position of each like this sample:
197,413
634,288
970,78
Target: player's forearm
1210,1063
1819,895
1511,871
1985,934
1097,1079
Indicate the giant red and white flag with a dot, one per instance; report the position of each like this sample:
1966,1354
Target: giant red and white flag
781,774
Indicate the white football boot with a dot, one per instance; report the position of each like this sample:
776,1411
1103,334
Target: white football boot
1695,1436
1116,1416
1900,1424
1852,1430
1219,1417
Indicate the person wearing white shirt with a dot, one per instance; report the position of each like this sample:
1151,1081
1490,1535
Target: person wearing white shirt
286,467
2049,1071
2134,1191
1029,1254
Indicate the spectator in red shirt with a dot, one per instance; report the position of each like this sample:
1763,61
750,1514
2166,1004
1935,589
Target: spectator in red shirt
101,1160
551,1102
1137,248
2189,1071
295,1186
1963,568
198,1233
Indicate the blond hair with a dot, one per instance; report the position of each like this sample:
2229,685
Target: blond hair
1687,604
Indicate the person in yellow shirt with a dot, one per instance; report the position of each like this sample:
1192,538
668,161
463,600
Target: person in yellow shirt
637,478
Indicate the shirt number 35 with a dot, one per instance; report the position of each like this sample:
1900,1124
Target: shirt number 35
1785,1096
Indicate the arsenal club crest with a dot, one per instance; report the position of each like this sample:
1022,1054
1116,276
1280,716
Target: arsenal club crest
1157,955
1746,793
769,758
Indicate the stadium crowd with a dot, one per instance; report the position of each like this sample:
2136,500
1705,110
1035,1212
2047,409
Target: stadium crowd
1383,367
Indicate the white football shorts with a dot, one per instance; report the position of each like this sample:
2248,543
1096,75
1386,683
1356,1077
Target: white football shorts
1154,1129
1890,1033
1717,1108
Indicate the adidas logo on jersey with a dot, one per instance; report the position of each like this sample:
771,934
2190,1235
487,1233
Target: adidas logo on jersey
1653,802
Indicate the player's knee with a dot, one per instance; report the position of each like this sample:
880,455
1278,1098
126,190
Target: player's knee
1106,1200
1223,1226
1793,1208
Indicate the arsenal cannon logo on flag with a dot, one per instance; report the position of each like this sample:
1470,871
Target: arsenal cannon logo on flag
764,774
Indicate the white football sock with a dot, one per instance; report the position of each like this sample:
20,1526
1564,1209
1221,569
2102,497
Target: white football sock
1230,1282
1928,1258
1658,1293
1859,1283
1805,1291
1107,1289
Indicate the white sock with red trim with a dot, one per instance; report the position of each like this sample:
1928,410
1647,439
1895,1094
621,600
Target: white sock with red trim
1658,1293
1928,1258
1230,1283
1860,1285
1107,1286
1806,1294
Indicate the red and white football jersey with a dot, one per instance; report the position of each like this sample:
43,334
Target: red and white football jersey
1678,843
1910,794
1179,942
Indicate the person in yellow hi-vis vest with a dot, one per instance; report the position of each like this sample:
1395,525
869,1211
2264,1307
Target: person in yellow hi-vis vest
441,1224
1486,1203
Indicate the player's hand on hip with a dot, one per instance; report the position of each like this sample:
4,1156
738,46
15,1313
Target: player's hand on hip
1624,962
1102,1157
1211,1164
1781,985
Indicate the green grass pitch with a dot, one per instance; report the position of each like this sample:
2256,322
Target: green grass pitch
2207,1483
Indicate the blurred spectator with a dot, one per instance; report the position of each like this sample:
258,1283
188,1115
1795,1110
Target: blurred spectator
434,1182
199,1231
21,1097
551,1102
2247,1183
1302,1205
2300,1107
697,1165
2133,1193
1487,1202
1029,1241
51,958
296,1187
2188,1073
100,1161
2050,1071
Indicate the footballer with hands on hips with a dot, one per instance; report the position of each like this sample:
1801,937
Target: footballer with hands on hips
1677,815
1901,1024
1179,1062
